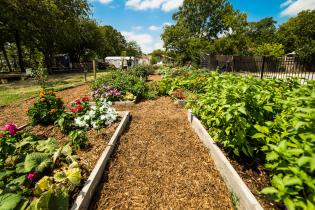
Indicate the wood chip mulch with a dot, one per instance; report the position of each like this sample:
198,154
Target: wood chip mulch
17,112
154,77
160,163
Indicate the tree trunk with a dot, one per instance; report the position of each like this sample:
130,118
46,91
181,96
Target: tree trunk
20,53
6,57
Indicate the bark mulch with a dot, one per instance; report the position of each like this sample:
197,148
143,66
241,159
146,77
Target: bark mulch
154,77
160,163
17,112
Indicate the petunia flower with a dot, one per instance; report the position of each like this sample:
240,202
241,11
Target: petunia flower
11,128
32,176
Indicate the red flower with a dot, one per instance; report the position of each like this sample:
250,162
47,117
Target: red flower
1,134
85,99
79,108
77,101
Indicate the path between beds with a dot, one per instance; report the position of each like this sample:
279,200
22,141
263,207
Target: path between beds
161,164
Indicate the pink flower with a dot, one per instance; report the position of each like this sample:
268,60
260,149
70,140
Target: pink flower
31,176
11,128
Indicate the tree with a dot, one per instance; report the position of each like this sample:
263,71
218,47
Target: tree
133,49
42,25
270,49
199,24
263,31
298,34
206,19
113,42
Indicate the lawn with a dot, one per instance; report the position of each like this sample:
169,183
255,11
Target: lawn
23,89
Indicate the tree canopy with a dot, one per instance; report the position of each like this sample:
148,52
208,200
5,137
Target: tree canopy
52,27
215,27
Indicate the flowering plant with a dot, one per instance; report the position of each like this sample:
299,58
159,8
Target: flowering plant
32,176
46,109
7,140
80,106
98,116
107,92
11,128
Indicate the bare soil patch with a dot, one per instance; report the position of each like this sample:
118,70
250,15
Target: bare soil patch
160,163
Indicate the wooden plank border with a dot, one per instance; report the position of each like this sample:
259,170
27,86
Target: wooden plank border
237,187
84,198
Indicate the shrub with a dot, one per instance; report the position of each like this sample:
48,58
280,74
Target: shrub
123,82
142,71
47,109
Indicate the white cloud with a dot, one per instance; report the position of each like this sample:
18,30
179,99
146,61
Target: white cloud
165,5
102,1
147,42
293,7
171,5
155,28
167,24
158,45
286,3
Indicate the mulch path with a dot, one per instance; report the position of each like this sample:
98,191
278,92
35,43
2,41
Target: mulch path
160,163
17,112
154,77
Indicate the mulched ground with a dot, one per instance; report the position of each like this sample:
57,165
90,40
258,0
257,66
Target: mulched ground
17,112
161,127
160,163
154,77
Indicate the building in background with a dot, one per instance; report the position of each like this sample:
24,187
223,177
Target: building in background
120,61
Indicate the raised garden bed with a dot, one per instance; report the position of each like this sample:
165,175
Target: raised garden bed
92,159
83,199
45,164
243,197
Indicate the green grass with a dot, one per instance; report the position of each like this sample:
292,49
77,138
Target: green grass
23,89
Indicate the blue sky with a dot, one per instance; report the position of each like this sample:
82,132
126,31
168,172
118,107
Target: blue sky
143,20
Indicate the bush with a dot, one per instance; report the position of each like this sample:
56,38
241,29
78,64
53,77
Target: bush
47,109
122,81
142,71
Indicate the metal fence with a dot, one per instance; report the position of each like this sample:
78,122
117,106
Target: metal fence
261,66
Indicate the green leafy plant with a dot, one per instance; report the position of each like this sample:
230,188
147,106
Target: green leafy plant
65,122
78,138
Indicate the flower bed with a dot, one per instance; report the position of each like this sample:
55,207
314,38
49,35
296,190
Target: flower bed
44,166
119,86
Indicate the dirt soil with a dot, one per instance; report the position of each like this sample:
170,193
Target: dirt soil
160,163
17,112
256,179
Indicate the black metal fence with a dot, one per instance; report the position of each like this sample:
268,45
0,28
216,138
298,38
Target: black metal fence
261,66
